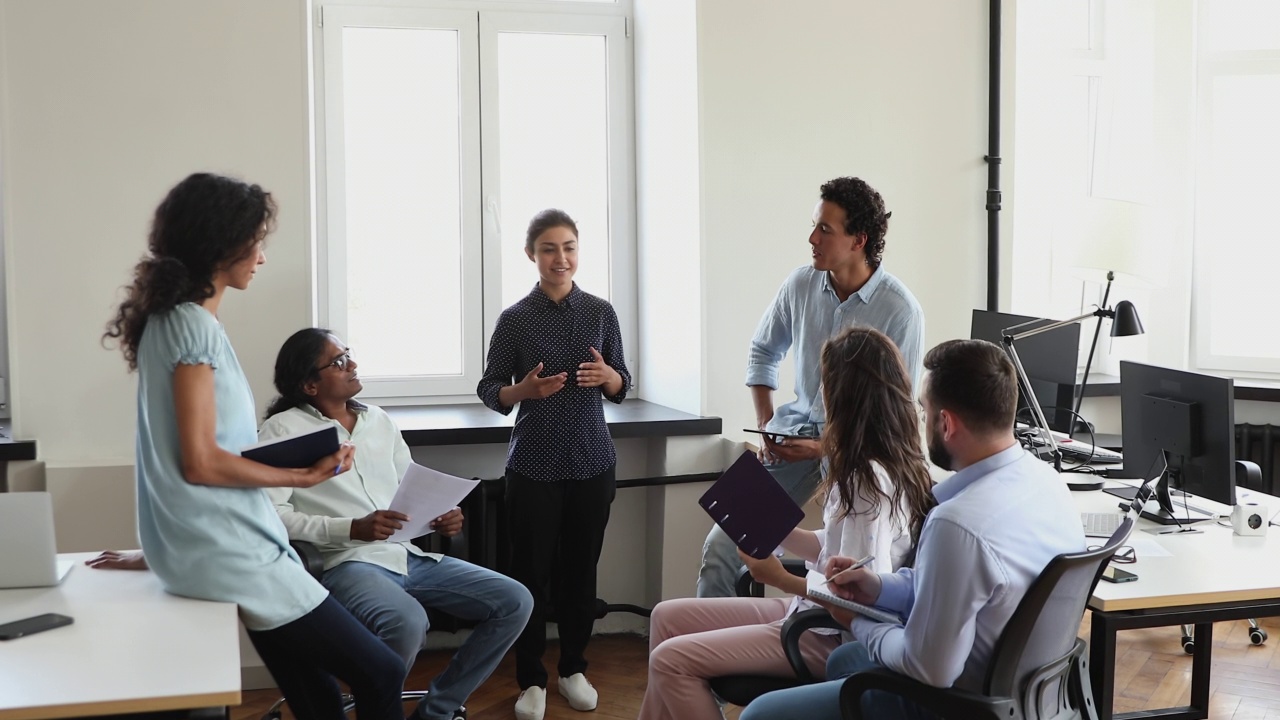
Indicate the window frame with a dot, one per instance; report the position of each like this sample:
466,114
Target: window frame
482,237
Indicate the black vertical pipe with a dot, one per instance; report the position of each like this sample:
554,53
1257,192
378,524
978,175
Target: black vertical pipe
993,163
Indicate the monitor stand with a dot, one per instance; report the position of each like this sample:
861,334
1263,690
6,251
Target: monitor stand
1164,515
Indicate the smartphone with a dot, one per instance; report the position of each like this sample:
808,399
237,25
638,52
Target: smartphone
32,625
776,435
1116,575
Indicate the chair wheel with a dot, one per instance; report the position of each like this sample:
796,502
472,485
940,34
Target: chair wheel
1188,644
1257,636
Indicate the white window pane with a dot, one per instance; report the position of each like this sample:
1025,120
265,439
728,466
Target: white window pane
553,130
1241,25
1056,25
404,223
1238,231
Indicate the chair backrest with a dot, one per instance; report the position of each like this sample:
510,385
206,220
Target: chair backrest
1043,629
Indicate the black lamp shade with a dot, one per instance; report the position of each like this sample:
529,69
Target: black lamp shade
1126,322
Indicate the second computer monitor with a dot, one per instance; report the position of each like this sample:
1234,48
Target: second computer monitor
1048,358
1185,416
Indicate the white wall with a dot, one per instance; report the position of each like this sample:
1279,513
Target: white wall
894,93
106,106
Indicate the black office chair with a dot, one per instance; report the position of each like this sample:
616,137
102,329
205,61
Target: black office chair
1038,670
742,689
436,620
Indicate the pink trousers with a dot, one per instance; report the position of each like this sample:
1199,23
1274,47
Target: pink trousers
693,639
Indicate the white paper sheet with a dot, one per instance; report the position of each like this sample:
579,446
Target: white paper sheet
424,495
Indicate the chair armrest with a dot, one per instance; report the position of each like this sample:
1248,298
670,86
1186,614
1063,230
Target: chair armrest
944,702
746,586
311,559
794,628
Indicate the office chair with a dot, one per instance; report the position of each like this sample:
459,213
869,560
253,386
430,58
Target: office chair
742,689
1038,670
437,620
1257,636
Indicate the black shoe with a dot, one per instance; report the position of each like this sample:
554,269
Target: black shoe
460,713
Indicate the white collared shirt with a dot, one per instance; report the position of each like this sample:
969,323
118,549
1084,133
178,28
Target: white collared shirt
322,514
997,525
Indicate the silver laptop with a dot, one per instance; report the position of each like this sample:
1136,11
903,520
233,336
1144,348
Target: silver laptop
28,553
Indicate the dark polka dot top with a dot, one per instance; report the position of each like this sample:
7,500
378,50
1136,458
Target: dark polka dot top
563,436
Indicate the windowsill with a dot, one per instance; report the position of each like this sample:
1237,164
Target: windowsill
1245,389
473,423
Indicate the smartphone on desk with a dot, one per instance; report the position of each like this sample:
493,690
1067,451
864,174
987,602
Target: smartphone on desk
32,625
1116,575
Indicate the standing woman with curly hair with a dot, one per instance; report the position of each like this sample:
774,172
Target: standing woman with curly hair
207,527
877,492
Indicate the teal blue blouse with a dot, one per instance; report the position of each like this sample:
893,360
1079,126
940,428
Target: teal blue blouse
211,543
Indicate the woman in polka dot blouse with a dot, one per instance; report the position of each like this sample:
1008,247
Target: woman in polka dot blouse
556,353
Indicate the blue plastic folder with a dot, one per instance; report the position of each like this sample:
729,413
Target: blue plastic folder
295,451
751,507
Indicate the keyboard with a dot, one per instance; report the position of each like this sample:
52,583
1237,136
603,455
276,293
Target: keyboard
1101,524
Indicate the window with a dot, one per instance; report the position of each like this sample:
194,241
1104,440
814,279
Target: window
440,133
1237,184
1174,106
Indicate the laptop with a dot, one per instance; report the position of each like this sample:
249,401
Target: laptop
30,556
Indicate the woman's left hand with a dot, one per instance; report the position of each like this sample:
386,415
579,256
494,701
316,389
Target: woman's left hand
117,560
768,571
597,372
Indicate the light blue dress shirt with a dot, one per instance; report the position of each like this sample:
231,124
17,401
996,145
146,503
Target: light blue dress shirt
997,525
806,313
205,542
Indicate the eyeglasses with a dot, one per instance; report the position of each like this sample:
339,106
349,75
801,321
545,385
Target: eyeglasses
1125,555
341,362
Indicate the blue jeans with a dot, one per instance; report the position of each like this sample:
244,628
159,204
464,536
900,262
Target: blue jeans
821,701
394,606
720,563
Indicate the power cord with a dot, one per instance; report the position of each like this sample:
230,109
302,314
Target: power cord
1028,442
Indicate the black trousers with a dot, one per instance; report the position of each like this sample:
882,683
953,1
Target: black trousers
556,532
305,656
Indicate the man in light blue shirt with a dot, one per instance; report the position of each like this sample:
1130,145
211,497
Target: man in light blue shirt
845,286
999,521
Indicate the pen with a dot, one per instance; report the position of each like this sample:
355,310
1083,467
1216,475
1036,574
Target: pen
337,470
861,563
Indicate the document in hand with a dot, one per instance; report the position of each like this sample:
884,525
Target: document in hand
295,451
751,507
424,495
819,590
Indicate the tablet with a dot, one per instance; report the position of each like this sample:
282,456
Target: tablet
776,435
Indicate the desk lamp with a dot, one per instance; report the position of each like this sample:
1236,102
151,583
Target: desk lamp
1124,323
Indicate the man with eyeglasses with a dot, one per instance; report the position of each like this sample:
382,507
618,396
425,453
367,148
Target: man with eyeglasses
386,585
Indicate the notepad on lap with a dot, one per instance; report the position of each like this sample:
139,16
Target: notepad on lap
751,507
295,451
819,590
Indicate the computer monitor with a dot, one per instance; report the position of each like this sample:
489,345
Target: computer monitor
1050,360
1181,425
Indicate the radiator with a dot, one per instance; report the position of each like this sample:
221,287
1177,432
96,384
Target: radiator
1260,444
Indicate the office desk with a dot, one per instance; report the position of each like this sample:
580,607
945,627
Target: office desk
132,648
1208,577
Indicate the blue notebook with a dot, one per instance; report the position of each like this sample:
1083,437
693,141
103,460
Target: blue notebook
295,451
751,507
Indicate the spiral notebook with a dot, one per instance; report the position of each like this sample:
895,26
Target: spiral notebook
819,590
751,507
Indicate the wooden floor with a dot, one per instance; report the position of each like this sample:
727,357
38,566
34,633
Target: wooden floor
1151,672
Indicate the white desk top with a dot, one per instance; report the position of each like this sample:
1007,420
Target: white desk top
1209,567
132,648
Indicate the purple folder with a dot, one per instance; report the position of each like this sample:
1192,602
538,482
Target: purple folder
751,507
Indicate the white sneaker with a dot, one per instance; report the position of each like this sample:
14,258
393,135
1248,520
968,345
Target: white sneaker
580,693
532,703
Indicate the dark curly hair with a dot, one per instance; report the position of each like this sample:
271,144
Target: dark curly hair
205,224
295,367
871,418
863,212
543,222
